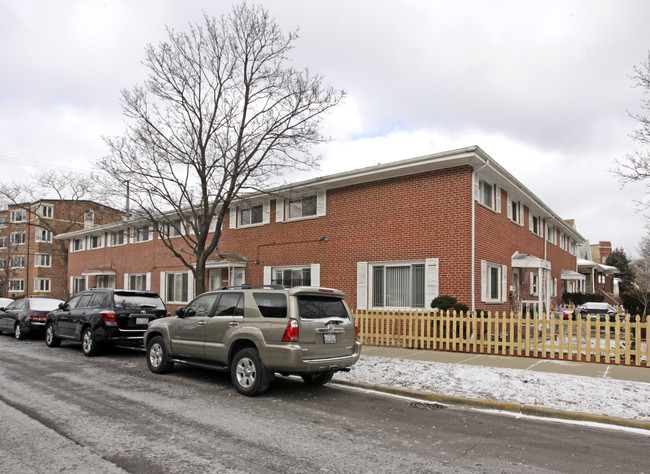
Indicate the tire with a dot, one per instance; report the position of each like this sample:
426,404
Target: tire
248,375
18,332
158,358
50,338
320,378
89,344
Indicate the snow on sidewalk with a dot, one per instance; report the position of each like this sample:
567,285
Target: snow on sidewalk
599,396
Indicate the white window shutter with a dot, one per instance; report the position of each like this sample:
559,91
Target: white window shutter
321,203
190,286
130,232
484,281
315,274
233,217
530,220
126,282
521,214
497,190
266,217
431,281
162,292
148,284
475,185
279,210
267,275
71,285
510,216
504,283
362,285
532,284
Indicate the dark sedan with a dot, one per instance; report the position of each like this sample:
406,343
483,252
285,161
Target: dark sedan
26,316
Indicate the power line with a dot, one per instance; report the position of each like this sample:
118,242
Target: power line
19,161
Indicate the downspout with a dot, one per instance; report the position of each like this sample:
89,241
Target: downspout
473,265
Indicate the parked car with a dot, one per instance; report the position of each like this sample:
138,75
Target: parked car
26,316
101,316
4,302
254,332
600,311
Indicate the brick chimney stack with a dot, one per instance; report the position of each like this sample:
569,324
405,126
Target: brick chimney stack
605,249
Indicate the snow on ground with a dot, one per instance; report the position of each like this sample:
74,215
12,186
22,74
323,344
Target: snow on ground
575,393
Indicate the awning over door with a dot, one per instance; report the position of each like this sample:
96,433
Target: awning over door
523,260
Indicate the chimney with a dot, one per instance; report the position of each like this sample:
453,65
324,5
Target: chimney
605,250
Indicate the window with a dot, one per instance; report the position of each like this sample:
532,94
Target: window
572,247
174,229
137,282
43,235
551,234
176,287
486,194
201,307
78,245
42,284
117,238
398,285
19,216
78,284
42,260
95,241
46,211
16,285
17,238
17,261
515,211
271,305
230,304
563,241
290,277
494,279
252,215
534,284
105,281
143,234
3,242
303,207
535,225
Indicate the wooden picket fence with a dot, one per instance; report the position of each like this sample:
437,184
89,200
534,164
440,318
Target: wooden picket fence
523,335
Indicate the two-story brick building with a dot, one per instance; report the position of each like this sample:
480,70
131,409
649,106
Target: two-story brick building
391,236
31,261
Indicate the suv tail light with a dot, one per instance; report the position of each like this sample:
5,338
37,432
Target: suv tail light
292,331
107,317
356,331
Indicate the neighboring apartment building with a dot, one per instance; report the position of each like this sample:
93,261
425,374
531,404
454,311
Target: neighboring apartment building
392,236
31,261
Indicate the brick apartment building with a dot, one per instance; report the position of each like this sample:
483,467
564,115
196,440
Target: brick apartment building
31,261
391,236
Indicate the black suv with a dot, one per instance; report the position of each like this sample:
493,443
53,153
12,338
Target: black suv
100,316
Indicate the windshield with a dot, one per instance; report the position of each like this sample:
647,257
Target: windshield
321,307
134,300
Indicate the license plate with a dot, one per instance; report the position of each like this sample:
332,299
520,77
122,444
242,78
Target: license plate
141,320
329,338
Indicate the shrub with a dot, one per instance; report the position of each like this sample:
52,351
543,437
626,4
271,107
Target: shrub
582,298
461,308
444,302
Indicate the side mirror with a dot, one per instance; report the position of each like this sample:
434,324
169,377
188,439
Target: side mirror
62,306
180,311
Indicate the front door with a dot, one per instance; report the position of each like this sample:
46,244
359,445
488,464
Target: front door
215,279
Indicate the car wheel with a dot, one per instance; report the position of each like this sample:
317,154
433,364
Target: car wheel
18,332
248,375
158,358
50,338
320,378
89,345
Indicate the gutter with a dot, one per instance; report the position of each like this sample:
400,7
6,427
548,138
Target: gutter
486,162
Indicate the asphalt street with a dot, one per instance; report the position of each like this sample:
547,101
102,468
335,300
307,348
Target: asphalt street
62,411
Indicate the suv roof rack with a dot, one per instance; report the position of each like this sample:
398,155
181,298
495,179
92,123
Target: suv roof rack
250,287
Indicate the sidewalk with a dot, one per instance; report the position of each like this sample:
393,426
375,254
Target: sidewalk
581,391
610,371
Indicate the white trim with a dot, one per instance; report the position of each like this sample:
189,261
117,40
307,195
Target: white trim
362,285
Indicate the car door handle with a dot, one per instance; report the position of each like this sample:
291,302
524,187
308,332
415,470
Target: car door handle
233,324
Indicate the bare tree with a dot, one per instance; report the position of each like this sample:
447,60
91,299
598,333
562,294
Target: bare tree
67,189
635,166
219,114
641,288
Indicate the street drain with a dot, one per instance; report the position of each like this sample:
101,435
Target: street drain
428,406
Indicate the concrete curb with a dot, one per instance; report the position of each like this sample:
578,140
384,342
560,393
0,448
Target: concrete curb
530,410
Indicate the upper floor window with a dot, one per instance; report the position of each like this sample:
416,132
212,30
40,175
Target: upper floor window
551,234
17,261
43,235
3,242
572,247
42,260
17,238
174,229
251,215
307,206
142,234
515,211
19,215
486,194
42,284
535,224
563,241
78,245
302,207
46,211
96,241
117,238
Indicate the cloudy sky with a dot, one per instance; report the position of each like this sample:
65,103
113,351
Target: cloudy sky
542,86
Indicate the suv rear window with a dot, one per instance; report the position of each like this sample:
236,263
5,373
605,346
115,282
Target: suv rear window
271,305
134,300
321,307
